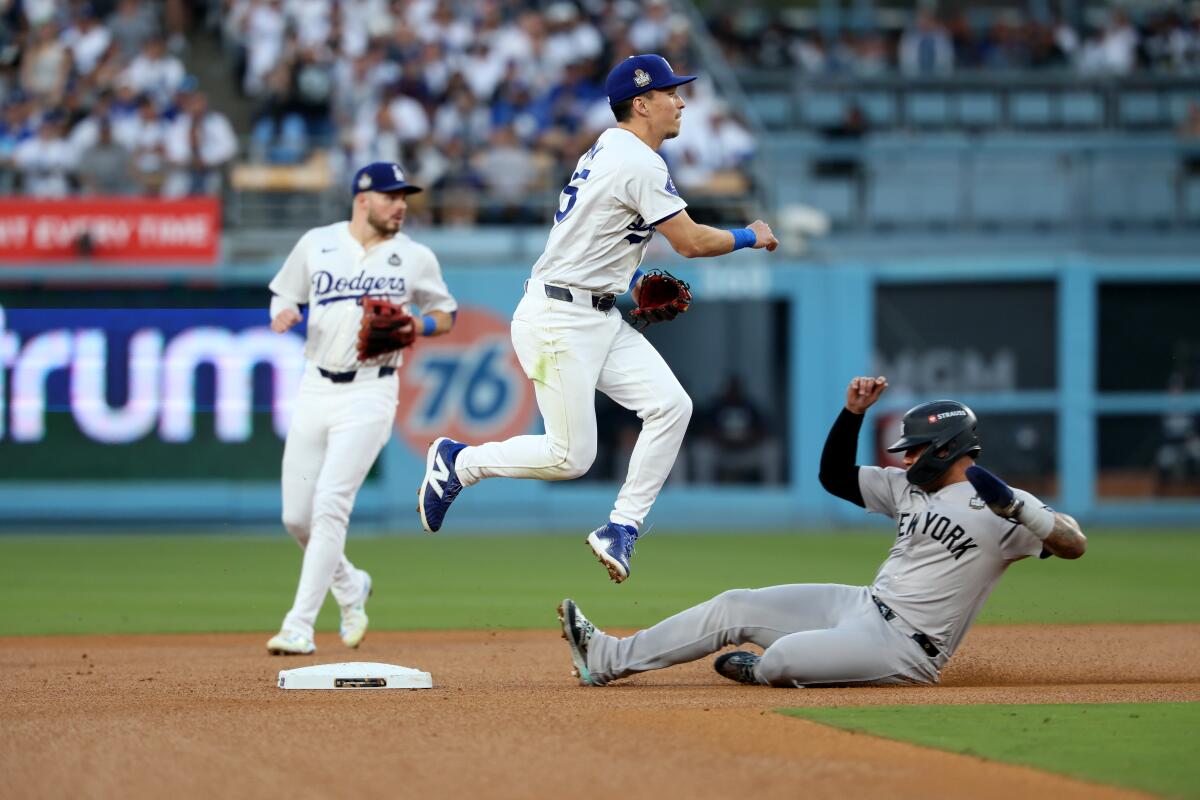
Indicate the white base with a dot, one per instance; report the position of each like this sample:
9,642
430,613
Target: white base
354,675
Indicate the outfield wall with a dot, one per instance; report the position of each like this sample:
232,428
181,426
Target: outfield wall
168,402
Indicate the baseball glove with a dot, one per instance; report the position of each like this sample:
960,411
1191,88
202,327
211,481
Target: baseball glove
662,298
385,327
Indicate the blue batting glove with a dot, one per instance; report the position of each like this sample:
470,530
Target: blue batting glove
993,491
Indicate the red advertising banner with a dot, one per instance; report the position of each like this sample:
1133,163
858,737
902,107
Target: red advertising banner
110,229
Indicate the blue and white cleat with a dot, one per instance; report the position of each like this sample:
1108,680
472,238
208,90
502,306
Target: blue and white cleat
440,485
613,545
578,632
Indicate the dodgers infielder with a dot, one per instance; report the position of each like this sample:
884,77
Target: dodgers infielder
569,339
958,527
345,408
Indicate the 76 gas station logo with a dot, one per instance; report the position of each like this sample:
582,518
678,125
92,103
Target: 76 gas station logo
467,385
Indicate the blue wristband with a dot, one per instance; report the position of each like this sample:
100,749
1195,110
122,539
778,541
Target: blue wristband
743,237
636,277
429,325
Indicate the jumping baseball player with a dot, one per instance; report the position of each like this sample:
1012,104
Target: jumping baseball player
569,339
358,279
958,527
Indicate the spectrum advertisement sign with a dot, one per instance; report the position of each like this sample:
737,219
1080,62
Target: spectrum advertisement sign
184,393
149,393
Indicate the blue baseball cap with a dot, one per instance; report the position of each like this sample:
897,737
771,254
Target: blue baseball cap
382,176
638,75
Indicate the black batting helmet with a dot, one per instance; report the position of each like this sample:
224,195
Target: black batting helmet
948,427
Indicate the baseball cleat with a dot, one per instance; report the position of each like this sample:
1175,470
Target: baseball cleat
289,643
354,617
440,485
578,631
738,666
613,545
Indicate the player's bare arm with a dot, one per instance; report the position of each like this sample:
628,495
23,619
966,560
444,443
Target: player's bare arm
1060,533
692,240
1066,540
444,320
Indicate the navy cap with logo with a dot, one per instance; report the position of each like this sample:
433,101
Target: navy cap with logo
382,176
638,75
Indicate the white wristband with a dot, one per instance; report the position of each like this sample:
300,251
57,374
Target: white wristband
1039,520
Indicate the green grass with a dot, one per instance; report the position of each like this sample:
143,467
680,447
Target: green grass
1147,746
162,583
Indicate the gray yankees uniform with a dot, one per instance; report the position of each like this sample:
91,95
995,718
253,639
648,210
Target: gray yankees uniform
950,550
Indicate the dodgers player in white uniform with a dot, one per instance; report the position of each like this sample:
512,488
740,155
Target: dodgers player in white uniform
346,407
568,337
958,527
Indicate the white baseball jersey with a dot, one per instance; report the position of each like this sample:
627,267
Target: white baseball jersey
330,271
950,550
619,191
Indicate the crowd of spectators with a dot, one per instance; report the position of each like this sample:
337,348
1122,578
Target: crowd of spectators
95,100
489,102
1163,40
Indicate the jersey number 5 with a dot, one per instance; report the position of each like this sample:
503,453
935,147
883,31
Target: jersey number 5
569,191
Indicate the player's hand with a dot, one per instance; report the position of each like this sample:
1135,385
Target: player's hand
284,320
764,237
863,392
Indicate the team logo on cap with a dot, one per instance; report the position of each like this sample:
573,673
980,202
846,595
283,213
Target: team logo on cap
640,78
365,181
398,173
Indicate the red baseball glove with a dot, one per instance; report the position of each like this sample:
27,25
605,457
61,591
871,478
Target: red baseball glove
661,298
385,327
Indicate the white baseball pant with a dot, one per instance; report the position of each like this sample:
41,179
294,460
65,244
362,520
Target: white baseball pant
811,633
336,433
569,350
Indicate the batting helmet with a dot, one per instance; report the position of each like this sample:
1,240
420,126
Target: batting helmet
948,427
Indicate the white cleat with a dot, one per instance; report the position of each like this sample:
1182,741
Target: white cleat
354,617
289,643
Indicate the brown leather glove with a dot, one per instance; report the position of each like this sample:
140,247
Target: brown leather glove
661,298
385,327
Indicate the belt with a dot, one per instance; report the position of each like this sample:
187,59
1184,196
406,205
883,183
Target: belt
921,639
600,302
346,377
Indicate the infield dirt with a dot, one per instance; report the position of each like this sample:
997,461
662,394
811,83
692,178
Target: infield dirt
187,716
